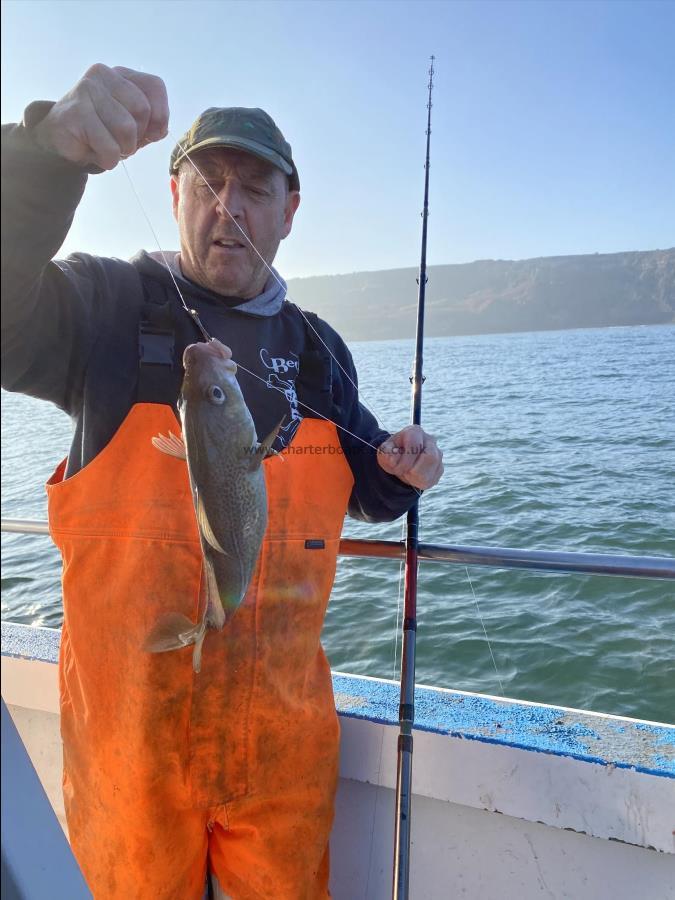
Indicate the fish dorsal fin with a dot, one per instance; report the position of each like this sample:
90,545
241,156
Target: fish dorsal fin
205,527
171,445
264,448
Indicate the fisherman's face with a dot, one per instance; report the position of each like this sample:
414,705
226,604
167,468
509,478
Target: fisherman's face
214,252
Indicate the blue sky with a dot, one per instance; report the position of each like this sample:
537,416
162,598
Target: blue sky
553,123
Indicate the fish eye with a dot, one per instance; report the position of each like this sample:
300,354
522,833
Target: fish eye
216,394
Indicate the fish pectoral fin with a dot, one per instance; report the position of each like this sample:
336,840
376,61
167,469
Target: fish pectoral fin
172,632
171,445
205,527
264,448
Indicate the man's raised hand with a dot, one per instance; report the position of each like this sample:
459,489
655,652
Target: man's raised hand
106,117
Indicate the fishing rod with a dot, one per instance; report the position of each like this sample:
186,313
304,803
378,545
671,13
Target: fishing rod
407,700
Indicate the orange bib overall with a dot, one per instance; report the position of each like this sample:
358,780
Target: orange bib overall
166,771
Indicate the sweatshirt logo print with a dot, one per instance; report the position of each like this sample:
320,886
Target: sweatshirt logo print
279,366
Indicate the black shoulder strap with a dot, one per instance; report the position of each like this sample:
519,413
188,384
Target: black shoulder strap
159,375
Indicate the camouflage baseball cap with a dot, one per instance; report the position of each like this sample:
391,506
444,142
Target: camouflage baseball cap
251,130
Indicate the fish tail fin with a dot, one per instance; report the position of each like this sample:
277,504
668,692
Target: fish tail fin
197,652
172,632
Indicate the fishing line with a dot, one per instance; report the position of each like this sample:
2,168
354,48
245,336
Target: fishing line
326,418
501,686
191,312
207,337
401,566
279,282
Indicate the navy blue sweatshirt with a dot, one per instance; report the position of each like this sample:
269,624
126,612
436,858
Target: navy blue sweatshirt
71,331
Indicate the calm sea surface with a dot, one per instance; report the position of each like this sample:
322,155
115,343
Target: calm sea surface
557,440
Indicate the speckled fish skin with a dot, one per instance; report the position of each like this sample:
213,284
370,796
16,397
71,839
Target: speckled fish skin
224,463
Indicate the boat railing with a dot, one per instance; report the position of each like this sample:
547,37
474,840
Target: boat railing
494,557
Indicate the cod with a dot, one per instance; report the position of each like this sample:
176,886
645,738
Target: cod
224,461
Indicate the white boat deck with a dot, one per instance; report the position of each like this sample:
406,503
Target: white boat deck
511,799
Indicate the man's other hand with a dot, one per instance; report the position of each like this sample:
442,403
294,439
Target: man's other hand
106,117
413,457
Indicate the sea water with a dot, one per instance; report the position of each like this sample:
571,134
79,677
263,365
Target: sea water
552,441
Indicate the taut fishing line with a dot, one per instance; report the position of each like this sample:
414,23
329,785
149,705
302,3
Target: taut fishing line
401,567
274,275
207,337
482,622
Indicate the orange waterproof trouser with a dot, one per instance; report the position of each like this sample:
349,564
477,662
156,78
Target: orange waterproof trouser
167,772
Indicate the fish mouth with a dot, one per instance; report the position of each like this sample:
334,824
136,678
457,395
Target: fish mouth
206,364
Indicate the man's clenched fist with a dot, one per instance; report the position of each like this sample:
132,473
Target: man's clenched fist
107,116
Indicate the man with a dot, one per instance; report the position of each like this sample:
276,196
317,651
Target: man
166,771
